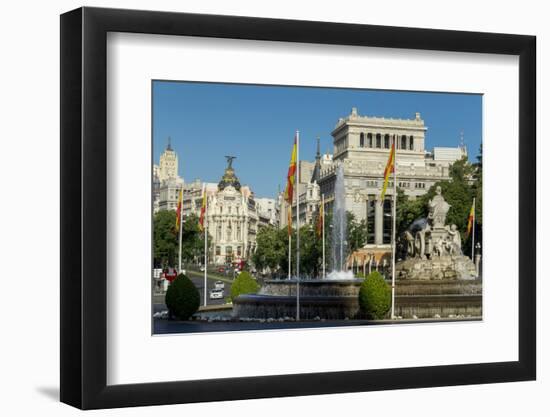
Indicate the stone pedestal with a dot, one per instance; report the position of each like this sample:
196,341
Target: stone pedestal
439,268
447,298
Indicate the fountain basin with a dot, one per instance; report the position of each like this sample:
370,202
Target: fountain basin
312,287
311,307
338,299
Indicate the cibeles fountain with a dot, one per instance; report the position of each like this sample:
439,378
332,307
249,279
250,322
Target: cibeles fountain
434,280
334,297
434,249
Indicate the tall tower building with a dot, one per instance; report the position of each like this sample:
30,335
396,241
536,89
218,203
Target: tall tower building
168,167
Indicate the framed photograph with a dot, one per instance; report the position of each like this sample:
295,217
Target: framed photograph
257,208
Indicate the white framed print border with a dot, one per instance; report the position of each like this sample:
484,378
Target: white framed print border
85,225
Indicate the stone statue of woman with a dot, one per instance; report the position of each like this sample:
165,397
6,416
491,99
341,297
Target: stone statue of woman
438,209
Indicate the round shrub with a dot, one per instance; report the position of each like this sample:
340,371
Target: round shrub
243,284
375,296
182,298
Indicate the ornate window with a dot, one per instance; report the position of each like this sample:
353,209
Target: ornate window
369,140
361,140
386,141
403,142
411,143
378,140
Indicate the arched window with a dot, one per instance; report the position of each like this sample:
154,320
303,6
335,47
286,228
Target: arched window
386,141
361,140
411,143
369,140
378,140
403,142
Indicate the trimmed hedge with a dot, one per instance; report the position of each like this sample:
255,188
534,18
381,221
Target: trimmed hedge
182,298
244,284
375,296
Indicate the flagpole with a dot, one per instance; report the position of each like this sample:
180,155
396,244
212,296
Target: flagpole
323,218
298,226
289,229
393,229
474,229
205,246
180,233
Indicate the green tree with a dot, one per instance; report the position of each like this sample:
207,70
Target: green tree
374,296
182,298
166,239
192,240
243,284
357,233
271,245
165,243
465,184
311,251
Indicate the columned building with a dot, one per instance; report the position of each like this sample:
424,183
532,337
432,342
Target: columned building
362,145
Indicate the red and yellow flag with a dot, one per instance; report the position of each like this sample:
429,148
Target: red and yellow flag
320,220
291,175
390,166
178,210
470,219
203,210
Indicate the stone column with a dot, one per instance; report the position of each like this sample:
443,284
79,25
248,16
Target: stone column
378,221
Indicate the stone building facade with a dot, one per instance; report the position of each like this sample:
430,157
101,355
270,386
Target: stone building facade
362,145
166,181
232,219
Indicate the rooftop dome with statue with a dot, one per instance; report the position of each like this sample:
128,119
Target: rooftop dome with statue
229,178
434,249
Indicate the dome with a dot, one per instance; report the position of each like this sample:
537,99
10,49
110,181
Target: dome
229,178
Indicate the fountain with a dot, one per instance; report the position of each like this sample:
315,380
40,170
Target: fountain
436,278
332,298
339,248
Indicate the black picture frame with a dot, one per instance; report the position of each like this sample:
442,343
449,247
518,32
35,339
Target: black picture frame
84,207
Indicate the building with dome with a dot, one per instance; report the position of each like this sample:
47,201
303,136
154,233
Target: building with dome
232,218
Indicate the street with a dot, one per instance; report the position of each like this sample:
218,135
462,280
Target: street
197,277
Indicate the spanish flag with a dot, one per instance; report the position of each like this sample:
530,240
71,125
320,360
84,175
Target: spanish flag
320,220
178,210
291,175
390,166
470,219
203,210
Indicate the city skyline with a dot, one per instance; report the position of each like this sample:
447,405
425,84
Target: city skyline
207,121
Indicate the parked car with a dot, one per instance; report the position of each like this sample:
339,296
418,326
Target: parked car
221,269
216,294
219,285
201,268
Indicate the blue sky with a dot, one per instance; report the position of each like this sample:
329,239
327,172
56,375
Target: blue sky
207,121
